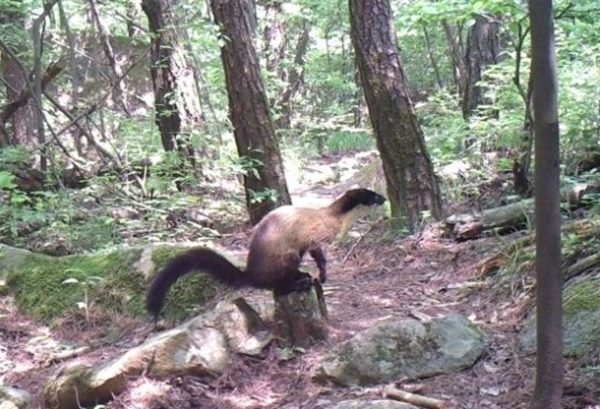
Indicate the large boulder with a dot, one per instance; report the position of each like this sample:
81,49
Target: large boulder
581,320
201,346
404,348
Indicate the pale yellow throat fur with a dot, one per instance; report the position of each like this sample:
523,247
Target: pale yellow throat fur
349,218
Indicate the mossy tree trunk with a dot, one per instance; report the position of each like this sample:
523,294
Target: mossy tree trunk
412,185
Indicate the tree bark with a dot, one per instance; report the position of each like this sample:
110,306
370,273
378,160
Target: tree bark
249,109
24,116
276,38
412,185
432,58
301,317
119,88
547,393
295,79
483,48
456,54
177,109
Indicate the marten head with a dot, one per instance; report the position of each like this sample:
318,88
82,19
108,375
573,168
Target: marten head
357,197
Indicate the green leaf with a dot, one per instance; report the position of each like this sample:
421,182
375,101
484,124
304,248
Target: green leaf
7,180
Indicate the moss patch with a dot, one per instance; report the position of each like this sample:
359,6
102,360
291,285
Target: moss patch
189,292
582,296
48,288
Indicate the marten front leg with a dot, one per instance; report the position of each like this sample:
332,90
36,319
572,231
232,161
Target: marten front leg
319,256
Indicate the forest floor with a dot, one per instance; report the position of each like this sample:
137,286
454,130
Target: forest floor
371,279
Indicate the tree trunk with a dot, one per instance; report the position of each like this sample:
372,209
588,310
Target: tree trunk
119,89
249,110
301,317
412,185
295,79
133,15
177,109
432,59
456,54
24,118
549,364
526,145
37,37
483,48
276,38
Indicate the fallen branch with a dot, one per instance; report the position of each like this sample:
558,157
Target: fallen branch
392,392
582,265
514,216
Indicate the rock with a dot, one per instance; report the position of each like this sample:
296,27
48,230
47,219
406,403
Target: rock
404,348
201,346
246,333
373,404
12,398
581,320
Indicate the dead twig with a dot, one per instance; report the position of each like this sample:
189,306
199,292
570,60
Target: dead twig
360,239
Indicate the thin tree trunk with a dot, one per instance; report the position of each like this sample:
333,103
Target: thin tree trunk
133,15
483,45
120,91
412,185
249,109
547,393
275,38
455,53
74,69
527,139
432,58
36,33
295,78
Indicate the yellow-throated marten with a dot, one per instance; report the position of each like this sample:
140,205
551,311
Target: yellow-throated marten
278,243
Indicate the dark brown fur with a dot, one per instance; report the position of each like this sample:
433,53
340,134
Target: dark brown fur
277,246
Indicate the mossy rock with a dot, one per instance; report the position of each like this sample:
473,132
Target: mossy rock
116,281
581,318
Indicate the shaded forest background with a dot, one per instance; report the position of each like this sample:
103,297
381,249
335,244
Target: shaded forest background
78,106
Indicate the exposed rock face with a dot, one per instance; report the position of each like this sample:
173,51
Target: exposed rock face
581,321
201,346
11,398
404,348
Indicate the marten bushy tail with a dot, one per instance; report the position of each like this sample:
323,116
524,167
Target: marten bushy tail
199,259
